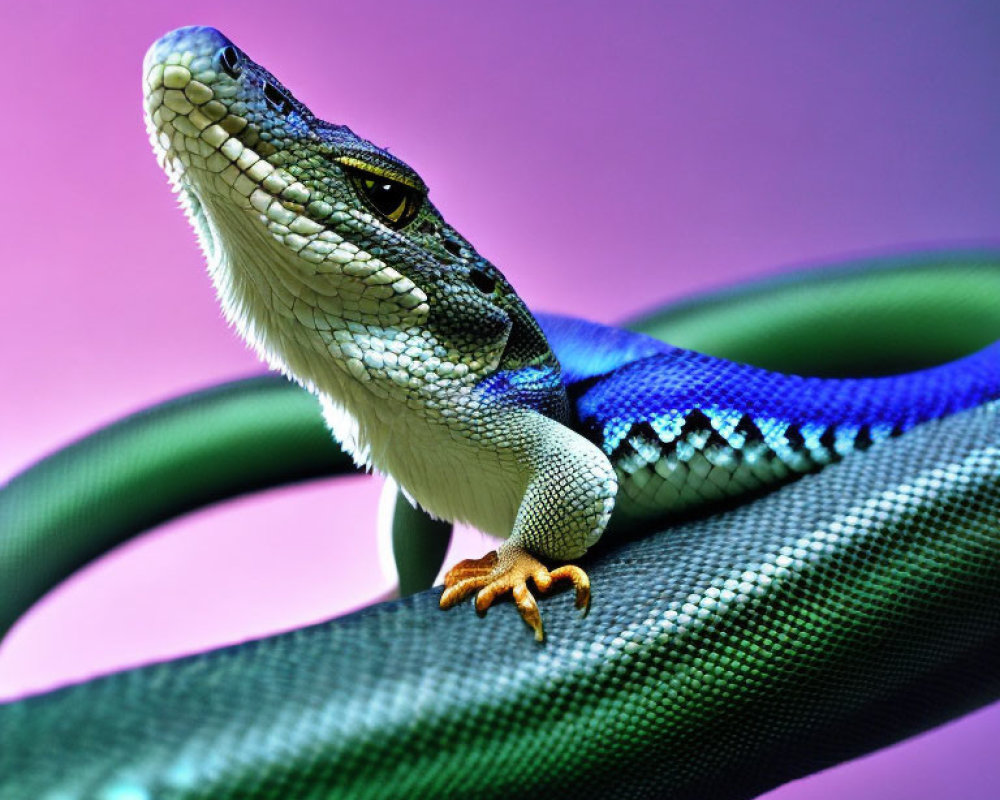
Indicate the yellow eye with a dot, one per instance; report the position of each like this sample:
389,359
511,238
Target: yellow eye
395,202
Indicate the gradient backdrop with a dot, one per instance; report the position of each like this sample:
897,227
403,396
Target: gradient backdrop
607,156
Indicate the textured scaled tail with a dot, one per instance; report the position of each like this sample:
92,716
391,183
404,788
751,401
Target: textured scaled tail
726,655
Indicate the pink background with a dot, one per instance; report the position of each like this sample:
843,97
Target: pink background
607,156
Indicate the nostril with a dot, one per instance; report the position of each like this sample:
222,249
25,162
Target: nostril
229,60
482,281
276,98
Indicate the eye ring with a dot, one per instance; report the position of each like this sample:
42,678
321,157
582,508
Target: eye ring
229,60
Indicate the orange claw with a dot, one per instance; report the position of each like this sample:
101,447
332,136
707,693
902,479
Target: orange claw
494,576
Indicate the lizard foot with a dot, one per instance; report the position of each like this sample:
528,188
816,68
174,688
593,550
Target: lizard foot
494,575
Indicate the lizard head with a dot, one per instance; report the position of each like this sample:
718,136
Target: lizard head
317,239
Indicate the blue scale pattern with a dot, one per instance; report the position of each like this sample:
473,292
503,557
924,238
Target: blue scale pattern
684,429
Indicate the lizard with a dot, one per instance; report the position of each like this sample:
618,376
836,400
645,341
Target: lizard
731,652
330,260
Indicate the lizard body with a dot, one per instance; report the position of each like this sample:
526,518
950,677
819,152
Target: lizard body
427,364
332,263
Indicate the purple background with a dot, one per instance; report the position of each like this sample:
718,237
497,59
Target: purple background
607,157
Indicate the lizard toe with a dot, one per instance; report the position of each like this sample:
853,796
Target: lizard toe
580,581
495,576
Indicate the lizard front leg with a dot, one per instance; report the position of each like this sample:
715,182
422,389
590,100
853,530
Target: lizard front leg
566,505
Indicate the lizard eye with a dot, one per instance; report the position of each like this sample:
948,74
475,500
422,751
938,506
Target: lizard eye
395,202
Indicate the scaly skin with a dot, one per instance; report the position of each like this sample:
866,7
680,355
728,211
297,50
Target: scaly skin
428,365
724,655
728,654
329,259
